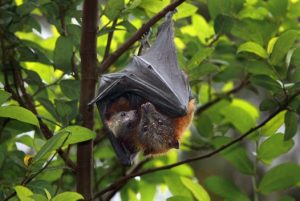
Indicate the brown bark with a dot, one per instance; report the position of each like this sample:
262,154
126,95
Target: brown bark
88,82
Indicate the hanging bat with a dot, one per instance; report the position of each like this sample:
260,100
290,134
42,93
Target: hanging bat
148,105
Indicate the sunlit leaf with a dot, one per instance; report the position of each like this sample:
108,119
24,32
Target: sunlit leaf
198,191
24,193
253,48
78,134
273,125
70,196
19,113
179,198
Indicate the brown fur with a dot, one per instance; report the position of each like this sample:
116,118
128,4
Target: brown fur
147,129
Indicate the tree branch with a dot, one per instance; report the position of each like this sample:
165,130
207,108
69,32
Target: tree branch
114,56
88,56
109,39
126,178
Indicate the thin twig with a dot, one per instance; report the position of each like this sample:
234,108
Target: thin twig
109,39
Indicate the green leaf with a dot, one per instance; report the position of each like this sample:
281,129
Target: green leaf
225,189
198,191
113,8
259,31
63,53
253,47
291,125
268,104
25,8
202,70
23,193
70,196
19,113
259,68
236,155
204,125
282,46
39,197
241,114
147,190
273,125
70,88
4,96
266,82
176,186
278,7
296,57
223,24
78,134
217,7
179,198
74,32
185,10
199,56
280,177
153,6
52,144
273,147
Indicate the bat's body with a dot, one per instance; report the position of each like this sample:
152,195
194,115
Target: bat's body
150,88
147,129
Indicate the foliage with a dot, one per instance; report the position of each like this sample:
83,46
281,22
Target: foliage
243,62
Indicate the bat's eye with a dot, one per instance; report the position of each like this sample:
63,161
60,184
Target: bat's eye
145,128
123,114
129,125
160,122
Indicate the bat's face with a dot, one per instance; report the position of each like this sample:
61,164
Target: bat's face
156,131
122,122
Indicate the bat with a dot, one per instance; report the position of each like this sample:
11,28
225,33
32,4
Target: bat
148,105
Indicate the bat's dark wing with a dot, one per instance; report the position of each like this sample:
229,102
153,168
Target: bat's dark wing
155,76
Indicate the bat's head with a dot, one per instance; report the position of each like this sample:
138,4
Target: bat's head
123,122
156,131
